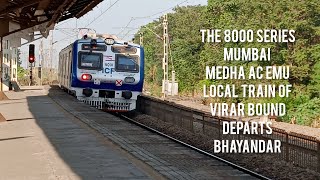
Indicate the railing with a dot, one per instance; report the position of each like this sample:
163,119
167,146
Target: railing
298,149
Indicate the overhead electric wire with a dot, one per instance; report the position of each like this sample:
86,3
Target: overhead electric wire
125,26
64,22
149,16
102,13
63,30
161,11
125,35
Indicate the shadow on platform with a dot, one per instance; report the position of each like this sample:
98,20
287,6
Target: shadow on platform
60,132
77,147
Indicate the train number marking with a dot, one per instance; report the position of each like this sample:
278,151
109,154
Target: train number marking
119,82
108,70
96,81
109,64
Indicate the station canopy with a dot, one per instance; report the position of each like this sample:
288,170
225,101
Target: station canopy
24,17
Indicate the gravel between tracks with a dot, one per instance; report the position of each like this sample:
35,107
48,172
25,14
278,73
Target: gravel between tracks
268,165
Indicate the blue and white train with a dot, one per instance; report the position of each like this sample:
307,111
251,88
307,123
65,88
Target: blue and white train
103,72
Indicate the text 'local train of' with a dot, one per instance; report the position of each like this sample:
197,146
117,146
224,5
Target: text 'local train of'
103,71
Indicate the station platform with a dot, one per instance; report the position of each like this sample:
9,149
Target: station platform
39,140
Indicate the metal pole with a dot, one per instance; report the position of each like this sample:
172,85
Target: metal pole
41,60
77,33
173,79
173,72
30,74
51,45
165,56
1,63
141,39
10,66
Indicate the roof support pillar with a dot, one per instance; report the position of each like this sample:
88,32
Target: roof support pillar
1,64
4,28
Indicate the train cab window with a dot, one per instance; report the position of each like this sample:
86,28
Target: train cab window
127,63
89,60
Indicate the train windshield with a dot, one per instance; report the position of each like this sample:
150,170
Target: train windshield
90,60
127,63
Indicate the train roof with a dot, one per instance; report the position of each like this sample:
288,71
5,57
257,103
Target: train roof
102,37
100,40
117,42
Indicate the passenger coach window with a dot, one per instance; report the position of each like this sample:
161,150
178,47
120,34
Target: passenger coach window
90,60
127,63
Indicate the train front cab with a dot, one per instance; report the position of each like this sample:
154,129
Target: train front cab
114,85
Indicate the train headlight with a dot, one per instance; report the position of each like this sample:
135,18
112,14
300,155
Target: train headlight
86,77
109,41
87,92
129,80
126,94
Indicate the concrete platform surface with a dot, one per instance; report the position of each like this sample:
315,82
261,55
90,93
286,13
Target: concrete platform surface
41,141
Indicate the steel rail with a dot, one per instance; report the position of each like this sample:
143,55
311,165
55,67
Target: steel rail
252,173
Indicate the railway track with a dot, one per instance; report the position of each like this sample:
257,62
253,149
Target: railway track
170,157
252,173
199,128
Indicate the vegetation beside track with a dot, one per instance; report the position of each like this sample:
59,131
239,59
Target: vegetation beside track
190,55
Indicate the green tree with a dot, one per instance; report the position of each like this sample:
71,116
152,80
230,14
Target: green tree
190,55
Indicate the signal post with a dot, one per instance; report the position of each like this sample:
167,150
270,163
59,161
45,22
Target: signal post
31,60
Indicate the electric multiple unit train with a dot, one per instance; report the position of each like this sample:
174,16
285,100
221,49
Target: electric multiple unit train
103,72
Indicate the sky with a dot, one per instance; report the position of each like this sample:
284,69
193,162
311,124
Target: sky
120,17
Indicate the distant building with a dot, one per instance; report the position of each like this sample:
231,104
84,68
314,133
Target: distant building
10,64
10,44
